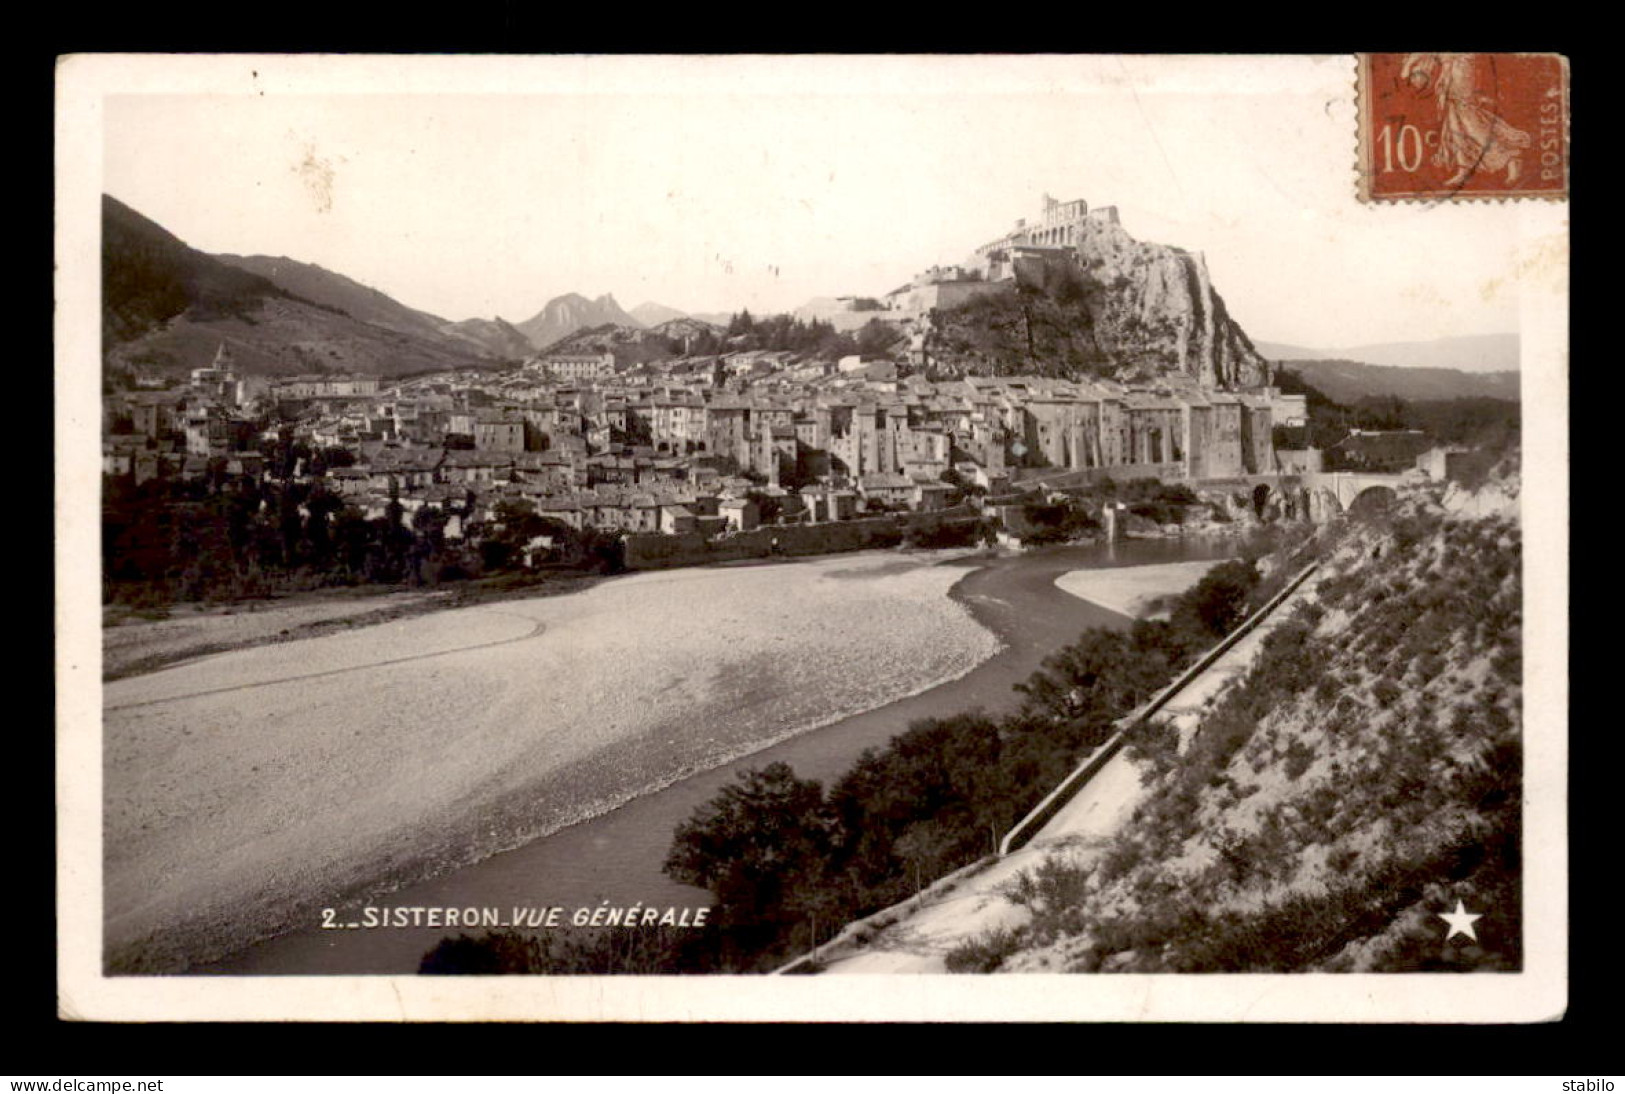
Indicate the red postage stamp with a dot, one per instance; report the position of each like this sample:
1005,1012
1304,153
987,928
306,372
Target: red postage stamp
1463,126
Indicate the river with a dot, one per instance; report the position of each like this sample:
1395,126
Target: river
617,855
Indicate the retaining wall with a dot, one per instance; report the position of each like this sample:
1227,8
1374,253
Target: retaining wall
649,551
1061,478
1030,825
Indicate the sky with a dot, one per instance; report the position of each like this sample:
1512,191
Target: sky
483,187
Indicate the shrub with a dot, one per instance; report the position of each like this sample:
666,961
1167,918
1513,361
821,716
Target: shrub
1299,757
984,953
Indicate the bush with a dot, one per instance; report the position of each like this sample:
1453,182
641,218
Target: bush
1299,757
984,953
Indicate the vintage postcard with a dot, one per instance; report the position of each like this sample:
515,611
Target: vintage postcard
681,538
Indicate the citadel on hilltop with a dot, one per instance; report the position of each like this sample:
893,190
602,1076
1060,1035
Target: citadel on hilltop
1059,226
993,267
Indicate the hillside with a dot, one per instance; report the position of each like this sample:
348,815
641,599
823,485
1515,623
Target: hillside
1361,779
169,307
686,328
497,337
285,338
1467,353
149,278
650,314
564,315
1349,381
1119,308
332,290
493,338
631,345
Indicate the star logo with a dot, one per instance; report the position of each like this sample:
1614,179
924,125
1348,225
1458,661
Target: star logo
1461,922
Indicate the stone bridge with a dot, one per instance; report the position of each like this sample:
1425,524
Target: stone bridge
1319,496
1348,487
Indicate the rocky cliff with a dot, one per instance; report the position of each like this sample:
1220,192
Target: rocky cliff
564,315
1112,307
1158,311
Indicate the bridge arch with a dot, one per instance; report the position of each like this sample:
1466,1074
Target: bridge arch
1373,499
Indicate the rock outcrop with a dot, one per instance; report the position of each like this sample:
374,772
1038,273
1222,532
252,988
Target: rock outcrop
564,315
1159,313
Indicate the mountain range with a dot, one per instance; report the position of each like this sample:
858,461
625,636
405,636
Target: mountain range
168,306
1348,382
1468,353
650,314
569,313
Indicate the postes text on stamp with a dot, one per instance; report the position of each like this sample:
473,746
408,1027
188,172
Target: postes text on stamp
1463,126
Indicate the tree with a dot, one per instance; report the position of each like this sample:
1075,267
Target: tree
1084,681
875,339
1219,600
764,835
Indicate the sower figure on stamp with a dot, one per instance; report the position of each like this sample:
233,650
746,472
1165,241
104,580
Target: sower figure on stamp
1472,138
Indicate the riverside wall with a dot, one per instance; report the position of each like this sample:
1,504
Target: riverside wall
653,551
1062,478
1030,825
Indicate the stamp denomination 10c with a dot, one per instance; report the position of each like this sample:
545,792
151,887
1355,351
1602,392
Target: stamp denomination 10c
1463,126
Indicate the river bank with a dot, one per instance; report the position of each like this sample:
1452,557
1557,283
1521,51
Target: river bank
1136,591
245,791
616,856
135,643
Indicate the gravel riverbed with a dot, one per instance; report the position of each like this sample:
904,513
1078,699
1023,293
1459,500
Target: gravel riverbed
246,790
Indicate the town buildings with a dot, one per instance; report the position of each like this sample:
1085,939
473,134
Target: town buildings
674,451
682,445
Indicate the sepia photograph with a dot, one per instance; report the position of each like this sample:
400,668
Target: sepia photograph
813,538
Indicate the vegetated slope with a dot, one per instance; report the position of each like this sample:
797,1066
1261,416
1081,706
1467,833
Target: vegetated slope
1362,779
1350,381
149,277
487,337
497,336
335,291
685,327
1037,328
1487,424
630,345
169,307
